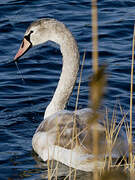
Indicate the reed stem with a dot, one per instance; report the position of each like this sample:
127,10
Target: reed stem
131,105
95,70
94,36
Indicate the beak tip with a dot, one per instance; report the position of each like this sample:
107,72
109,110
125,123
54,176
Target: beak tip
15,58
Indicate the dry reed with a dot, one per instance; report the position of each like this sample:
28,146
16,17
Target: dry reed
113,130
95,69
131,105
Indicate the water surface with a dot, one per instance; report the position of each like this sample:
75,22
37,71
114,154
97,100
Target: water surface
22,104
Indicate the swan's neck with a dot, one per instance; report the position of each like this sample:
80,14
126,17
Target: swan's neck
69,72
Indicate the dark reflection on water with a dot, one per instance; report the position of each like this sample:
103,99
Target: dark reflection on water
22,104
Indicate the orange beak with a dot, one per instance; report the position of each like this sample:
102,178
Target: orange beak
23,48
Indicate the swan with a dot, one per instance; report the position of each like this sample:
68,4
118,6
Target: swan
53,138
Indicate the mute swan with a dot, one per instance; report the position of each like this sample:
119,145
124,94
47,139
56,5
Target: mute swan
53,137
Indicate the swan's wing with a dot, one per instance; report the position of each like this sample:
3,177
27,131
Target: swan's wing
86,134
61,131
61,127
68,128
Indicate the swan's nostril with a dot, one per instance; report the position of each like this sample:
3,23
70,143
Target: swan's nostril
22,44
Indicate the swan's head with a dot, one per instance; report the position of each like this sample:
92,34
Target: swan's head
37,33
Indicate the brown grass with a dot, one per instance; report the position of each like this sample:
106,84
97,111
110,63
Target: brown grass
131,105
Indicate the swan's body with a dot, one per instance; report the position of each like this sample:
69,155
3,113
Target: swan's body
53,137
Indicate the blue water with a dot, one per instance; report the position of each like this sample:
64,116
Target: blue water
22,104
